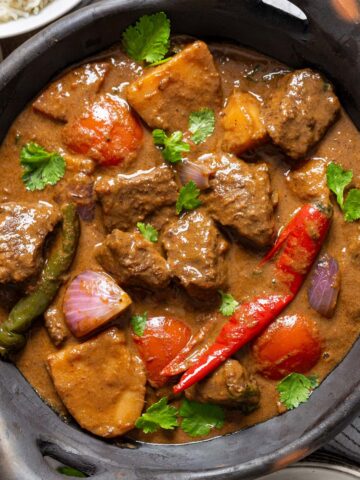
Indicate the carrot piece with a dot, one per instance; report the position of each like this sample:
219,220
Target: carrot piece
290,344
107,131
162,340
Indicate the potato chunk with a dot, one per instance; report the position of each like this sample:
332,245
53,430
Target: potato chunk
242,124
101,382
166,96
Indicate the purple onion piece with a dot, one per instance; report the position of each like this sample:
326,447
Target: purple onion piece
325,286
198,173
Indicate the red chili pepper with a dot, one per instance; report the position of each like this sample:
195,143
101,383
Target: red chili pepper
300,242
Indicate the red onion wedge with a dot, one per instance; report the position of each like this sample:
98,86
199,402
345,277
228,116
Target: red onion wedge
199,174
91,300
325,285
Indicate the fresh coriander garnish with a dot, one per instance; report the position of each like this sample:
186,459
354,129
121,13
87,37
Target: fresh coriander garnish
228,304
71,472
149,39
201,124
200,418
41,167
159,415
138,323
148,231
351,207
295,389
188,198
172,146
337,180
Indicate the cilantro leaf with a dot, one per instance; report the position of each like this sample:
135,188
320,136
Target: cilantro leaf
201,124
228,304
337,180
159,415
200,418
172,146
138,323
188,198
71,472
295,389
148,231
41,167
148,39
352,205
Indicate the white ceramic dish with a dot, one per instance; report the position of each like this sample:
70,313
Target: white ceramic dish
315,471
51,12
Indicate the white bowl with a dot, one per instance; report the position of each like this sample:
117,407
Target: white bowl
51,12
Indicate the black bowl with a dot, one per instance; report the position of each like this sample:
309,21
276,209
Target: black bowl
28,428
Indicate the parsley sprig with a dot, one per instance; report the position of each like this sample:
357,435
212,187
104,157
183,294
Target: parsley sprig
338,179
138,323
149,39
188,198
295,389
172,146
71,472
197,418
148,232
228,304
201,124
41,167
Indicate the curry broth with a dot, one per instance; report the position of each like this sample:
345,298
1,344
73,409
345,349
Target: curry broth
247,71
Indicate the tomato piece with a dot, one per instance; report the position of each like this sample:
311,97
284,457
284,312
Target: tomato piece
107,131
163,339
290,344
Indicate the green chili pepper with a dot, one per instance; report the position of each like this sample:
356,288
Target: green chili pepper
33,305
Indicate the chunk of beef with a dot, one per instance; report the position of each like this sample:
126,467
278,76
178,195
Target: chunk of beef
128,199
299,111
240,198
309,182
59,99
242,123
101,382
23,229
229,385
133,260
166,96
195,252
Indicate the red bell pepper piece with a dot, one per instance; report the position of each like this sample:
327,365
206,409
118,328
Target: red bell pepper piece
300,241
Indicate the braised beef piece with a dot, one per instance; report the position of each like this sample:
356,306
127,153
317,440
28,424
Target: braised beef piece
240,198
299,111
23,229
166,95
195,251
128,199
309,182
230,385
133,260
58,100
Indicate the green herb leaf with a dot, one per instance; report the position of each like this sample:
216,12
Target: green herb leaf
41,167
159,415
352,205
172,146
337,180
228,304
201,124
188,198
295,389
138,323
148,39
71,472
148,231
200,418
